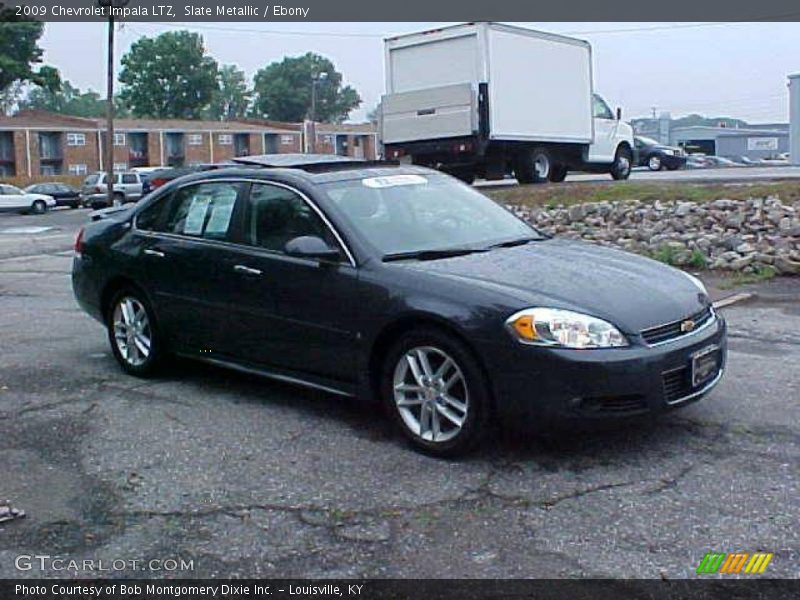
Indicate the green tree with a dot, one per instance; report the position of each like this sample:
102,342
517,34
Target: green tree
67,100
168,76
283,90
20,51
232,98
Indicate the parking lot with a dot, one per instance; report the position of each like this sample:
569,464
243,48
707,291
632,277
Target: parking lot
246,477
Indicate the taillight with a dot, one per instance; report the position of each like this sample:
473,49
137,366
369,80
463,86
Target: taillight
98,189
157,182
79,242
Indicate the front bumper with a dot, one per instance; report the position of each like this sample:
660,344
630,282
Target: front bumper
671,161
539,385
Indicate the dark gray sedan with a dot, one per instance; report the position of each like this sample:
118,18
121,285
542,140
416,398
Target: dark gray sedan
399,284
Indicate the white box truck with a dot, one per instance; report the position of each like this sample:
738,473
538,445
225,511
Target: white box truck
488,100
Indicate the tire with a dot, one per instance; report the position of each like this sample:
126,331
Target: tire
436,405
558,173
654,163
128,346
623,161
39,207
119,199
75,205
466,175
533,166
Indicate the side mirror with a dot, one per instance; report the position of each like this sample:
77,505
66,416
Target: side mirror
619,114
313,247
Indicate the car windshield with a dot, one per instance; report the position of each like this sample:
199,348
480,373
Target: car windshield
12,190
412,213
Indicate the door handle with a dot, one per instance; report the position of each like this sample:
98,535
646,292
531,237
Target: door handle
246,270
151,252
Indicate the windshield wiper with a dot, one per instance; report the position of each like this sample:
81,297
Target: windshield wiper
516,242
430,254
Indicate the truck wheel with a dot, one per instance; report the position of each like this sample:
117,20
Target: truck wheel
558,173
621,167
466,175
533,166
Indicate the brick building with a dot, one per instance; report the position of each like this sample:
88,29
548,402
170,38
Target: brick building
36,143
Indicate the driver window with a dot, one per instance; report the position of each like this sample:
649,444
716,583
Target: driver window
600,108
277,215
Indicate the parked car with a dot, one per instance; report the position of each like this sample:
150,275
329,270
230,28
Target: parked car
13,199
128,187
65,195
398,283
656,156
721,162
167,174
697,161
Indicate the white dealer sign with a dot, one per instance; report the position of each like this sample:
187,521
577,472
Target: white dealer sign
762,143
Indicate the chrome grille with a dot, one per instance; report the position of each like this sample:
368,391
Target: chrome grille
671,331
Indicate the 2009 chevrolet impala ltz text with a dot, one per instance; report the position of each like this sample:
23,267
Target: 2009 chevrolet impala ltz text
400,284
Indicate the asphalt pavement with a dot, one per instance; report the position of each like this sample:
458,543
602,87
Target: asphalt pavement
239,476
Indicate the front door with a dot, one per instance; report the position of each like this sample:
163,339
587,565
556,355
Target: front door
311,329
605,132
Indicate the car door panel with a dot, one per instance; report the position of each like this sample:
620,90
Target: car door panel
304,309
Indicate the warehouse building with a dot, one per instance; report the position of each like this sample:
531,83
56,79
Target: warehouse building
753,142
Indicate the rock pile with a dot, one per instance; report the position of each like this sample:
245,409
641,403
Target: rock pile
748,236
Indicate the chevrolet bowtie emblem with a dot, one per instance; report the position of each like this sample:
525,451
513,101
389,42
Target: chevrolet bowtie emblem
687,326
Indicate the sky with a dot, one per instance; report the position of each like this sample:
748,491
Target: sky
716,69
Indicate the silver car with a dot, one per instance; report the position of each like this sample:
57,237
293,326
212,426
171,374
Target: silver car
128,187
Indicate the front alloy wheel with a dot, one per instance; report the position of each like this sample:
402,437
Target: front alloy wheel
431,394
654,163
133,334
436,392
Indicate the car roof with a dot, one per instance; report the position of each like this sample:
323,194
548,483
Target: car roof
310,171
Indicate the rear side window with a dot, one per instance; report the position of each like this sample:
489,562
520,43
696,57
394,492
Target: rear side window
129,178
149,218
203,210
91,179
277,215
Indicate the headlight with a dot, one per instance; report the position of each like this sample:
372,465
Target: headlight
556,327
669,152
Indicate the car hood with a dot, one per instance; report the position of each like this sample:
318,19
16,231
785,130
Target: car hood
630,291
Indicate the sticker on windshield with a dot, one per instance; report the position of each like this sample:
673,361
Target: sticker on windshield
394,180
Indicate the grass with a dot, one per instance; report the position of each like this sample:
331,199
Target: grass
758,275
668,255
551,195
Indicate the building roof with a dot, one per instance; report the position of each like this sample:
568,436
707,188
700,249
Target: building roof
40,119
729,131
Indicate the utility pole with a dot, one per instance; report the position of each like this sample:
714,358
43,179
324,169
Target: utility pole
109,5
654,112
315,80
109,148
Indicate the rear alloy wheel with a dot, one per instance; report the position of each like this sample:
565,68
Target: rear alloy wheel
654,163
133,333
39,207
623,162
436,392
119,199
533,166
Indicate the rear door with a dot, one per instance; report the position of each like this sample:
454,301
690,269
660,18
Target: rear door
188,262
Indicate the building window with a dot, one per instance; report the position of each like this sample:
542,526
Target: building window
76,139
119,139
225,139
287,140
326,139
195,139
120,167
77,170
